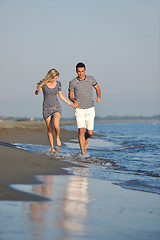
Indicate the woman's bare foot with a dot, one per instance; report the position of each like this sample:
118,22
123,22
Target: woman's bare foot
58,142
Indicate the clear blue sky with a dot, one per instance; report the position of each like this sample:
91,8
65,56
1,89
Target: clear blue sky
118,40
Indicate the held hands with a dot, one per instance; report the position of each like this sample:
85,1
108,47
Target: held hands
72,105
98,100
75,104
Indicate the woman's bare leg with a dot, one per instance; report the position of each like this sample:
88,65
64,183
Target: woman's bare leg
50,132
57,116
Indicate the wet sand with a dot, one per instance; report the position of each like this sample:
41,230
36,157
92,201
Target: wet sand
19,166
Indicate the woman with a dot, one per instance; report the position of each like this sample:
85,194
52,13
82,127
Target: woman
51,106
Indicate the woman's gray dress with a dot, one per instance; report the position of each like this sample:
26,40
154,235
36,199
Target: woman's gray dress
50,102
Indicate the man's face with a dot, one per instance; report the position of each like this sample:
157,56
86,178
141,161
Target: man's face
81,73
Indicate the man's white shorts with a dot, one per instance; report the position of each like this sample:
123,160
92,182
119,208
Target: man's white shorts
85,118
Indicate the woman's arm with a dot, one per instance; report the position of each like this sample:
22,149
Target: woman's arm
62,97
38,90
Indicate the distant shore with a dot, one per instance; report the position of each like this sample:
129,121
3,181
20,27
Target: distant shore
155,117
127,120
11,122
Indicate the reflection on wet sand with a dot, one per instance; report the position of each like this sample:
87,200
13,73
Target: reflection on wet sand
66,212
38,211
74,207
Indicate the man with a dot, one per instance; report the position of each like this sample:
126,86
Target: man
81,94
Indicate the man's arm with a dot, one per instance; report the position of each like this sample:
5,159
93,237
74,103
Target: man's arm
98,92
71,97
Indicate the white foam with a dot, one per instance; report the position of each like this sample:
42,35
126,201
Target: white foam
31,147
58,154
64,153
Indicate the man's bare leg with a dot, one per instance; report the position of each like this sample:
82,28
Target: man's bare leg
88,134
81,138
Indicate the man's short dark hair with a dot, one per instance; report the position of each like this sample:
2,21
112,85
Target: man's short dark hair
80,65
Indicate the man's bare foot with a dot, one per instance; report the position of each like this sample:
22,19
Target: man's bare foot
53,150
58,142
86,143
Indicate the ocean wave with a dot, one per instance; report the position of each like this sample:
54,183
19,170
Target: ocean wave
79,158
138,185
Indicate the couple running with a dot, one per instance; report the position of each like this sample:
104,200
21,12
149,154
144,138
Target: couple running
81,96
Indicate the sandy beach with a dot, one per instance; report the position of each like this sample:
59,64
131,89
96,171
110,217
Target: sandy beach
62,206
19,166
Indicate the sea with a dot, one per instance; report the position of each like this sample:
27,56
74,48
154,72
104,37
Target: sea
124,153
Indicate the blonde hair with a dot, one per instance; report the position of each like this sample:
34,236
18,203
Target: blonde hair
51,74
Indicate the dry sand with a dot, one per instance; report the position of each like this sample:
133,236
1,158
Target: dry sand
19,166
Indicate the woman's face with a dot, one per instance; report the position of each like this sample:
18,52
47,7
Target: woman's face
54,79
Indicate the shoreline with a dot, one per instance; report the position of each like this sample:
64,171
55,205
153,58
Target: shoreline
21,167
18,166
51,203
